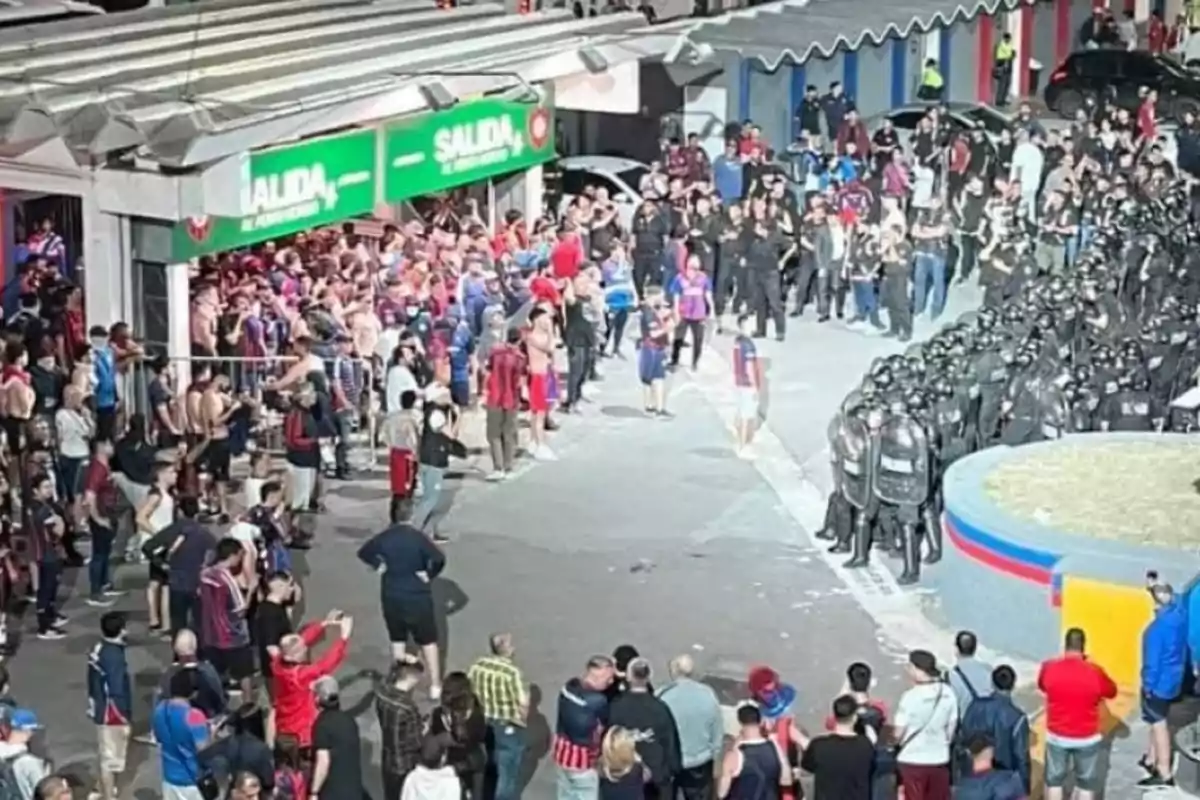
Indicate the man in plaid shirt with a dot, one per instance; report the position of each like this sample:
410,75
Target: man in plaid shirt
498,684
400,722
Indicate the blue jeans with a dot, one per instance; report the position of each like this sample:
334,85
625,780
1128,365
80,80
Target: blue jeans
864,297
929,274
508,749
103,539
577,784
431,492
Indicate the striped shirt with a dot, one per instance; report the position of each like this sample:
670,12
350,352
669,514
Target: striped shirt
348,375
497,683
222,610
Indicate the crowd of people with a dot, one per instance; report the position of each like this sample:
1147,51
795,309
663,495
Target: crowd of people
309,350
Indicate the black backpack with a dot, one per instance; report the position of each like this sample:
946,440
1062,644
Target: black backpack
9,788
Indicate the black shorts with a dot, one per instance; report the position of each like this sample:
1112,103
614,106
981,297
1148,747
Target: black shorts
218,456
158,572
412,616
236,664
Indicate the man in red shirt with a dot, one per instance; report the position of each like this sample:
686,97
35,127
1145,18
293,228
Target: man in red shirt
567,254
1147,118
505,370
100,505
1075,689
293,675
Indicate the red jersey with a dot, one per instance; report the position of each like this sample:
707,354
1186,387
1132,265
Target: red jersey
544,291
566,256
98,480
1147,124
505,367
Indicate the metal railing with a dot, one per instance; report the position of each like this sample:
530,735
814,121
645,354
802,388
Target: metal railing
252,381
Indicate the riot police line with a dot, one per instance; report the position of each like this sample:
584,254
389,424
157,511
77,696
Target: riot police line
1108,343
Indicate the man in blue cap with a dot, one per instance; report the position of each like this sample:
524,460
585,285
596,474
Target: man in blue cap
18,766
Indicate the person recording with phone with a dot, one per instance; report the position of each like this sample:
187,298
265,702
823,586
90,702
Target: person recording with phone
1164,665
294,671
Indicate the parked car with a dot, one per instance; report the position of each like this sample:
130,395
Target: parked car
622,177
962,116
1120,75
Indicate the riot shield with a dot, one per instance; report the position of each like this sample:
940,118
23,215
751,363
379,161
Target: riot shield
835,456
902,477
853,448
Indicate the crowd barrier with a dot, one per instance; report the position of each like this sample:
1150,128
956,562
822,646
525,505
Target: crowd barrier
251,380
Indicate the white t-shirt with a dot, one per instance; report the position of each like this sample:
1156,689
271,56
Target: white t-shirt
252,491
928,715
432,784
74,430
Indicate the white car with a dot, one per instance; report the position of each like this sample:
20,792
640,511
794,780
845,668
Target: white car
621,177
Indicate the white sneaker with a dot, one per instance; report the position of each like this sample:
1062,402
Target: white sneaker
544,453
51,635
495,477
435,693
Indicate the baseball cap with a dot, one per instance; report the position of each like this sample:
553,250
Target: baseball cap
326,689
22,719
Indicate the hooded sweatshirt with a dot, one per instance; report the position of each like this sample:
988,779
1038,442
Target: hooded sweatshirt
432,784
653,729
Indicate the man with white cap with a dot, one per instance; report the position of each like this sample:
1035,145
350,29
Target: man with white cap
438,443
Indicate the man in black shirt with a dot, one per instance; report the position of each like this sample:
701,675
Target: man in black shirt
841,762
731,267
579,335
649,230
48,530
337,747
648,718
184,545
762,245
272,621
896,255
47,381
969,221
808,114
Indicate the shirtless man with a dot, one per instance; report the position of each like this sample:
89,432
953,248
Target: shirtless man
16,403
540,346
217,406
205,311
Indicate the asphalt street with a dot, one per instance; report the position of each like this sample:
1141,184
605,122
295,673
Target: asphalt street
646,532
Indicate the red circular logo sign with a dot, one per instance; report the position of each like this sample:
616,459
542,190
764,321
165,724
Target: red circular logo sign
199,228
539,128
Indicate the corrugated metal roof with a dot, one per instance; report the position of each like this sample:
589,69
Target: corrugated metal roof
15,12
792,31
164,80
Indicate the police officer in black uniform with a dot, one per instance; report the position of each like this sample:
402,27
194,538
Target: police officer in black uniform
763,242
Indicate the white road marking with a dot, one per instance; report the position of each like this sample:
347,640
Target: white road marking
897,612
